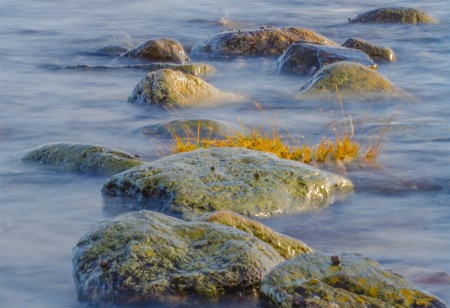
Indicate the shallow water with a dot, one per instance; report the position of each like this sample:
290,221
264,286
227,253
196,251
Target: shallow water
399,215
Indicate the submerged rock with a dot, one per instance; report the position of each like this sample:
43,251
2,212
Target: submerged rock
353,80
398,15
345,280
159,50
173,89
111,51
286,246
248,182
262,42
190,128
83,158
145,256
371,49
304,58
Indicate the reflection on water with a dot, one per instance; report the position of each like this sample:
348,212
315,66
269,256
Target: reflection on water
400,214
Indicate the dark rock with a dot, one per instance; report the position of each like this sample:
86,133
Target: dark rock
398,15
159,50
111,51
376,52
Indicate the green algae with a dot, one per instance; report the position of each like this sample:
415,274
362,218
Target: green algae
159,50
399,15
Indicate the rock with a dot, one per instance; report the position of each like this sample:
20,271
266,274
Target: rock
376,52
311,280
174,89
248,182
353,80
286,246
304,58
397,15
196,69
83,158
159,50
111,51
214,129
262,42
144,256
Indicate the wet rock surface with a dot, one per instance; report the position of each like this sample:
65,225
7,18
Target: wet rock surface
344,280
247,182
376,52
398,15
173,89
113,51
353,81
145,256
262,42
303,58
82,158
159,50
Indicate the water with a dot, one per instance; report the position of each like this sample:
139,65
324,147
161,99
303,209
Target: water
399,215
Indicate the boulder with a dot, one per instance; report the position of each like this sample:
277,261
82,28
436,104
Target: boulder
303,58
286,246
248,182
397,15
113,51
142,257
82,158
262,42
376,52
159,50
211,129
173,89
353,80
345,280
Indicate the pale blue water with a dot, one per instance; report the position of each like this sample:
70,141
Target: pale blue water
399,215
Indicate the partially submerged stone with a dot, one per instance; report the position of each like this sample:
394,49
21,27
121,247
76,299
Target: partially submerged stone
262,42
144,256
286,246
353,81
345,280
83,158
192,128
111,51
173,89
159,50
374,51
303,58
248,182
398,15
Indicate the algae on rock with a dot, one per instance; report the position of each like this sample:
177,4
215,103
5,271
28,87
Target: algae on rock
159,50
83,158
371,49
400,15
144,256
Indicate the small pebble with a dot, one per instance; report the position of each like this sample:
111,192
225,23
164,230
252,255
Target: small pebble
104,264
335,260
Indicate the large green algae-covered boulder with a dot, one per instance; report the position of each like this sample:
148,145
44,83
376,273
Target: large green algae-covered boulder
83,158
248,182
286,246
398,15
159,50
173,89
346,280
303,58
353,81
262,42
144,256
376,52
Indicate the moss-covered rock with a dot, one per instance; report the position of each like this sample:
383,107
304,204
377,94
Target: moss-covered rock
398,15
353,80
111,51
173,89
159,50
83,158
189,128
145,256
345,280
262,42
286,246
304,58
376,52
248,182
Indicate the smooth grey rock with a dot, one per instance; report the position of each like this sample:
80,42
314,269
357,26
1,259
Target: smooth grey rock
303,58
376,52
398,15
248,182
159,50
142,257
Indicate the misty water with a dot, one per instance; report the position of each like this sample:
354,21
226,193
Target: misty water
399,214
